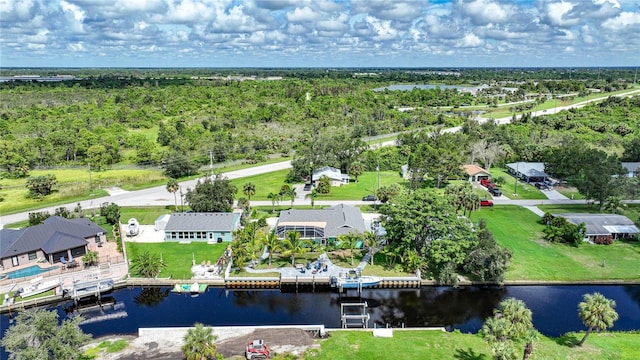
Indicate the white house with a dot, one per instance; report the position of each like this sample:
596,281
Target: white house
336,177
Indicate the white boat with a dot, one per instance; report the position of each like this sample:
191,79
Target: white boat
38,286
354,280
91,288
133,227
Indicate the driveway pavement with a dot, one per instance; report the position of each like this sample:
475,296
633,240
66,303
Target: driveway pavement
554,195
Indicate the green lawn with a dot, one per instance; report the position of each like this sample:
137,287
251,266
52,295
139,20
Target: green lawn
367,184
632,211
265,184
535,259
178,257
144,215
417,344
521,191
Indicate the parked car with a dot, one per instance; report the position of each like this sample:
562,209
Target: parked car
307,187
542,186
369,198
485,182
486,202
495,191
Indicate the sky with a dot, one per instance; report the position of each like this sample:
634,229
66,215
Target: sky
319,33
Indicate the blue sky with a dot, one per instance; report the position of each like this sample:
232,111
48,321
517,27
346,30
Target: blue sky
319,33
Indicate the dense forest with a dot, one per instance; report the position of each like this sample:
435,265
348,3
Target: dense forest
189,116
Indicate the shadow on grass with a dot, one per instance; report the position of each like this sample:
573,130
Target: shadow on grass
468,354
568,340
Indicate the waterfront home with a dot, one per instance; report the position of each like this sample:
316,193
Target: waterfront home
603,226
202,227
321,225
51,241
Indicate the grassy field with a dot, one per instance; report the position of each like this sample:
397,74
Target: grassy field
535,259
367,184
178,257
416,344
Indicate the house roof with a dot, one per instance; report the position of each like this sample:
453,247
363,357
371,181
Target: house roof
631,166
337,220
602,224
529,169
221,221
472,169
56,234
331,172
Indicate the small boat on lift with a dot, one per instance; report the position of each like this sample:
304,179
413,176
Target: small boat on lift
38,286
354,280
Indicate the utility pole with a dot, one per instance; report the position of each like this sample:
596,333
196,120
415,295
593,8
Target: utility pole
181,199
90,180
211,163
515,185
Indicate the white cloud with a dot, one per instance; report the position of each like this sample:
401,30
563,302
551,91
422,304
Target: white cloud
623,21
304,14
470,40
484,12
556,14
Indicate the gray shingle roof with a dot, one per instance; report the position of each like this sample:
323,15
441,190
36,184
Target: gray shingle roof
530,169
339,219
56,234
602,224
202,222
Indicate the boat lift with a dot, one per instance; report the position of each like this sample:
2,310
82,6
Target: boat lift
354,315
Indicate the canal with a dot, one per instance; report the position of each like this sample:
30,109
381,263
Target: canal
554,308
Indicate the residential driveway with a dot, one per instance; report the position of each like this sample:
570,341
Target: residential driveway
554,195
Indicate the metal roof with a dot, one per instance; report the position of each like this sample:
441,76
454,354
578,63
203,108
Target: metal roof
203,222
529,169
602,224
338,220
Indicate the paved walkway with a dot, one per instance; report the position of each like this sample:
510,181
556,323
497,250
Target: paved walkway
554,195
535,210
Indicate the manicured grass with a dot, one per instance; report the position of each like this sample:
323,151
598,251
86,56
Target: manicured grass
367,184
524,191
144,215
535,259
570,192
422,344
265,184
632,211
178,257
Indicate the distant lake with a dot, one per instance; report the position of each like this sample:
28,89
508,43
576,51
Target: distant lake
409,87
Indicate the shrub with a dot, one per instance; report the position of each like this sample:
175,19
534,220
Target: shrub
603,239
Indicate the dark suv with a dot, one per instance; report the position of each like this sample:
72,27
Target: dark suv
495,192
369,198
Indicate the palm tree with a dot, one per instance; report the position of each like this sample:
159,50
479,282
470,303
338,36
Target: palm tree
292,195
510,323
312,195
172,187
614,205
90,258
372,241
249,189
349,241
147,265
275,198
272,243
199,343
597,313
294,245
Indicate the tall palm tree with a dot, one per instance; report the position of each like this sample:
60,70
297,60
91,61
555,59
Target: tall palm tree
511,322
349,241
272,243
294,245
312,195
249,189
292,195
372,241
275,198
597,313
173,187
199,343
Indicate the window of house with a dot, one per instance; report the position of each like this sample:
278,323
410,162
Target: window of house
33,255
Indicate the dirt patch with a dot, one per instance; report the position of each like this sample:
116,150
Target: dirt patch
293,341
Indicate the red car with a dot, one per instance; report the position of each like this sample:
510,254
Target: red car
486,202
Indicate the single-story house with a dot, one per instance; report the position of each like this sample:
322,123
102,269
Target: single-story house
322,224
475,173
633,168
528,171
202,227
336,177
50,241
161,222
608,225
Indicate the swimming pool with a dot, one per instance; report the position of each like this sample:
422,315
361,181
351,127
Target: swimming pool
28,271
